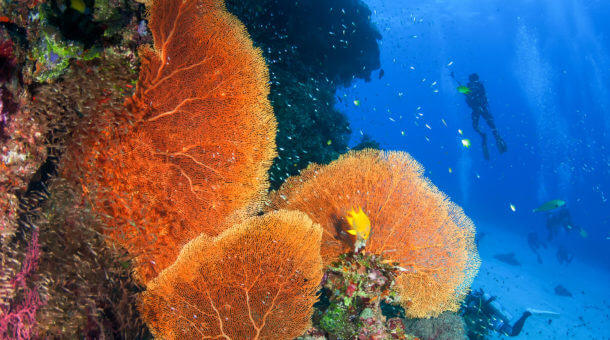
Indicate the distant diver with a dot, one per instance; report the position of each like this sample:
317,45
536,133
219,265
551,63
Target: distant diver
476,98
534,242
561,218
564,256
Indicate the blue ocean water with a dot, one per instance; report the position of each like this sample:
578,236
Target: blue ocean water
546,69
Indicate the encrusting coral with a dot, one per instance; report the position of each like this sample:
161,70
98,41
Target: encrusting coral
412,223
194,143
355,286
257,280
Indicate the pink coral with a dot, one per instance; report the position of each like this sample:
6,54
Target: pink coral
18,316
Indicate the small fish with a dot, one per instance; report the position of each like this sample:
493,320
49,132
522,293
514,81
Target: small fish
450,170
583,233
460,131
550,205
329,142
78,5
360,223
512,207
463,89
356,102
381,73
466,142
450,63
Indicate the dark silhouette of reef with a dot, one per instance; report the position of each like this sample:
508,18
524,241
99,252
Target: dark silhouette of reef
311,47
367,142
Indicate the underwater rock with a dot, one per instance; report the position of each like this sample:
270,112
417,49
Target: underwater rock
562,291
508,258
447,326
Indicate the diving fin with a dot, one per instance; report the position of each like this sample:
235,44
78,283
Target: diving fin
500,143
543,312
485,149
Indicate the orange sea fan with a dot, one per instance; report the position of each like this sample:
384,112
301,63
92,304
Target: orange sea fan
194,143
257,280
411,222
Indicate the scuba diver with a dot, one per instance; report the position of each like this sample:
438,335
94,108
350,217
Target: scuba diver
483,314
564,256
477,100
534,242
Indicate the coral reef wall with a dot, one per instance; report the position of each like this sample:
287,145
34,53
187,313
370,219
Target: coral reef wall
311,47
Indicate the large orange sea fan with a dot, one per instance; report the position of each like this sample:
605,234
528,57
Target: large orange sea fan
257,280
194,143
411,222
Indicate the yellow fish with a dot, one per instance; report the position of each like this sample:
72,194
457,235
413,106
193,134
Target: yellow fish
78,5
360,223
583,233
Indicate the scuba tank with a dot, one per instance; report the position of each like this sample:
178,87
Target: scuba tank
499,317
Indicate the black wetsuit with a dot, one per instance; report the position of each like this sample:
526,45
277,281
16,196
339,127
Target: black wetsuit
477,100
485,315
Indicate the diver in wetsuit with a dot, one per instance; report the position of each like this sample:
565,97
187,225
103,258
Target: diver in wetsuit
477,100
483,315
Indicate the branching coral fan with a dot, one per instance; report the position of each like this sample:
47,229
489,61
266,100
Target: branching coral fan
257,280
193,145
412,223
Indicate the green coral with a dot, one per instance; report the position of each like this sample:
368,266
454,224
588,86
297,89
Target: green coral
53,55
336,321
